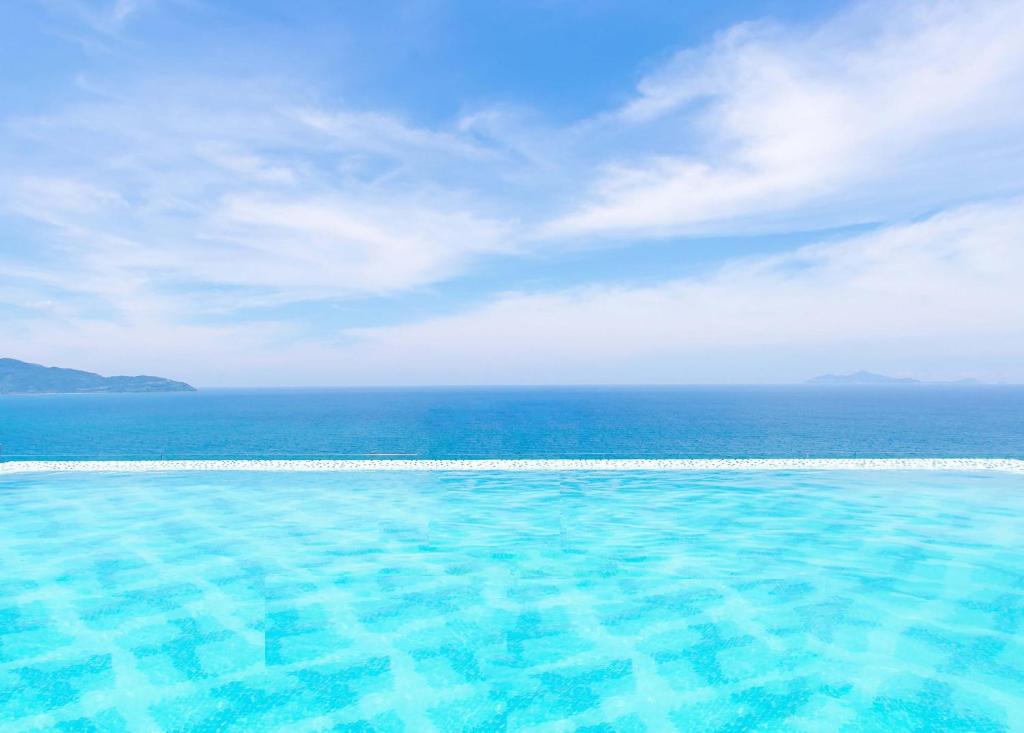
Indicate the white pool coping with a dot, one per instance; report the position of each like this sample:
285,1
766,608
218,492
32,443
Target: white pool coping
1010,465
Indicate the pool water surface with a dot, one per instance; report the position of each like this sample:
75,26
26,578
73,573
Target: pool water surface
492,601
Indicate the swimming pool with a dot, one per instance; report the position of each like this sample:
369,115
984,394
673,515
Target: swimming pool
550,600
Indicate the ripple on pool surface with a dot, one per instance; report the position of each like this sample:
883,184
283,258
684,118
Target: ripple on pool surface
490,601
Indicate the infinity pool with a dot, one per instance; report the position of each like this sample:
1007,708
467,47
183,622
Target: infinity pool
493,601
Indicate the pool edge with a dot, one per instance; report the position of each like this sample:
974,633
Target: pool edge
1005,465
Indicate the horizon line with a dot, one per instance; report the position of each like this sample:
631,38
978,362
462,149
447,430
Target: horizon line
545,385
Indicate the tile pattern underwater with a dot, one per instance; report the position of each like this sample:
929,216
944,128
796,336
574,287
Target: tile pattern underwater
550,601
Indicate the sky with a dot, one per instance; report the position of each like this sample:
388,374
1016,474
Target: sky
535,192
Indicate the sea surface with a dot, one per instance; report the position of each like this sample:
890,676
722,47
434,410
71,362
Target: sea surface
609,422
591,602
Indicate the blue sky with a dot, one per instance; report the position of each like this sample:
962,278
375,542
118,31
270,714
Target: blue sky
322,193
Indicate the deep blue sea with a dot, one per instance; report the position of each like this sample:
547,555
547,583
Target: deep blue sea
611,422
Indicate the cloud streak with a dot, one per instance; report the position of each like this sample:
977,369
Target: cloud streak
790,121
237,187
893,297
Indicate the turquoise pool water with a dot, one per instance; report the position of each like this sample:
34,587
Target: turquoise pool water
784,601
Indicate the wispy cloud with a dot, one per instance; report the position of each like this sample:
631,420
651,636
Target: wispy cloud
938,297
237,185
101,17
383,134
53,199
894,297
337,246
123,8
884,102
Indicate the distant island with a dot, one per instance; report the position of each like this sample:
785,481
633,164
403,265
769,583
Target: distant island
872,378
21,377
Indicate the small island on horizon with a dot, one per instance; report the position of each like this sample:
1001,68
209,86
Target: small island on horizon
867,378
21,377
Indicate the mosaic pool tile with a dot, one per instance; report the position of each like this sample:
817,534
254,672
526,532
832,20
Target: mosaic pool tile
596,602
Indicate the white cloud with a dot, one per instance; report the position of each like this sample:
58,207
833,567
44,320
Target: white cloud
103,17
123,8
937,298
899,294
333,246
381,133
227,185
851,115
247,165
50,199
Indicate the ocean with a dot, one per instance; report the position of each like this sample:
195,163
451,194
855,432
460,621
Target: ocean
599,422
